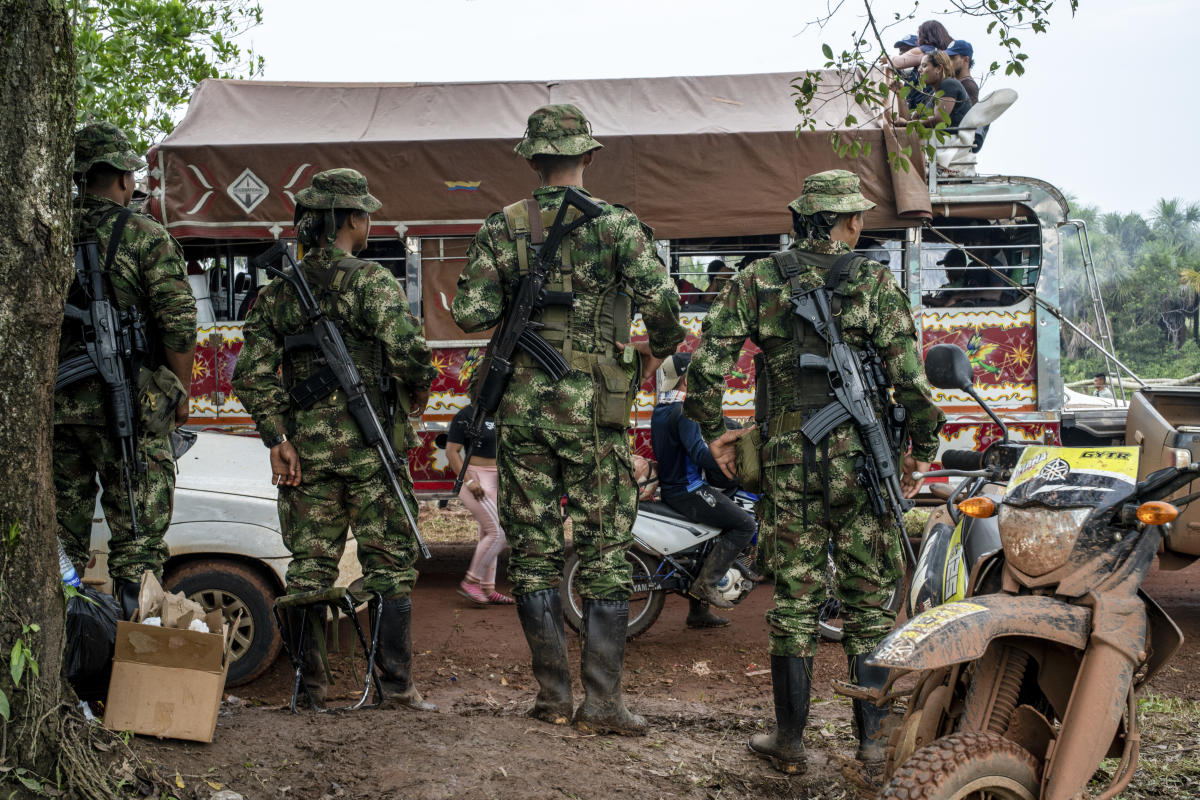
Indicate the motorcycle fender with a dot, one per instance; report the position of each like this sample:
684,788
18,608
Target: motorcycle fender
958,632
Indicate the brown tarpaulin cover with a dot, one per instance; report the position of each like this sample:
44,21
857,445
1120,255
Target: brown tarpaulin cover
694,157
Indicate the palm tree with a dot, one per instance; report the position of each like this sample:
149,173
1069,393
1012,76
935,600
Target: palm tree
1174,220
1190,278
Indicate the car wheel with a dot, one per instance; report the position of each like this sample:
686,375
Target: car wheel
235,588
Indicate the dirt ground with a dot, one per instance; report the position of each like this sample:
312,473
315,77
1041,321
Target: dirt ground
704,693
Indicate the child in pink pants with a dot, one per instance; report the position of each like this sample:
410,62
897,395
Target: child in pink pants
478,494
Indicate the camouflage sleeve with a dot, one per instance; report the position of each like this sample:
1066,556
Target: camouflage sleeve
649,284
895,337
384,312
256,378
732,317
164,273
479,302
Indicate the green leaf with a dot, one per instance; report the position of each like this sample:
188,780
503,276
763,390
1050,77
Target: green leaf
828,51
4,710
16,662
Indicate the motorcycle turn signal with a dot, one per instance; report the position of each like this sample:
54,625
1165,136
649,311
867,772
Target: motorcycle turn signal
978,507
1156,512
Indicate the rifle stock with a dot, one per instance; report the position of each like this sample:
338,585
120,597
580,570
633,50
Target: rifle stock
340,373
517,329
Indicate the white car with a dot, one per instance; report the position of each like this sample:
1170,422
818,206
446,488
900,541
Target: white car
225,547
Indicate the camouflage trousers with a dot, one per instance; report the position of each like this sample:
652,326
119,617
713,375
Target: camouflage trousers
83,453
595,471
316,516
866,554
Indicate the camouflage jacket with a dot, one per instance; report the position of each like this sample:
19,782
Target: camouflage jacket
616,247
148,271
755,305
372,306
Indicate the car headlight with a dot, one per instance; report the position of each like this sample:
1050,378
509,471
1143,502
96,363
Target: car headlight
1038,540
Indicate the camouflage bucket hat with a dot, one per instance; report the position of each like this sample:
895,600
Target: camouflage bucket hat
104,143
560,130
834,190
338,188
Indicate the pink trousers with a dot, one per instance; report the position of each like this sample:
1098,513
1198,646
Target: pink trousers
491,535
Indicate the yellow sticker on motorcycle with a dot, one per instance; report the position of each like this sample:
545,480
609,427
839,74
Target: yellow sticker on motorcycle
927,622
1057,463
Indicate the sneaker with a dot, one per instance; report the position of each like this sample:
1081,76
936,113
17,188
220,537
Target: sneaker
473,592
498,599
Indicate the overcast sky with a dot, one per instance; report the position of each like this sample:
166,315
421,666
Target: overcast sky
1107,108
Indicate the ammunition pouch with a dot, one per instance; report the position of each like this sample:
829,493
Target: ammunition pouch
159,394
748,460
615,388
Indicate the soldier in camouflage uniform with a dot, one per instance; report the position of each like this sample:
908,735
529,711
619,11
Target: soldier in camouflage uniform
328,481
569,437
811,492
144,269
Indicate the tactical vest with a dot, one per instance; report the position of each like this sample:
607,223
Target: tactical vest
792,392
587,329
366,352
71,339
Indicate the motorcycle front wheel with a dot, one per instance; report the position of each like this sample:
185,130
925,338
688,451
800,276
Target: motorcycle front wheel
969,765
644,606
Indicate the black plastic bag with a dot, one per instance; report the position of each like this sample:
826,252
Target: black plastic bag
91,634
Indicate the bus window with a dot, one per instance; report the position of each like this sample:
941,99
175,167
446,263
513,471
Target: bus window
702,267
978,263
886,247
442,259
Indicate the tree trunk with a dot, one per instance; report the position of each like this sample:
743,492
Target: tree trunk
37,113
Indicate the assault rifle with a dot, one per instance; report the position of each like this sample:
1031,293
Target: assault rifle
519,330
115,342
339,372
853,387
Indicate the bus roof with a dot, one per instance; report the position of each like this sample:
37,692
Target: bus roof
693,156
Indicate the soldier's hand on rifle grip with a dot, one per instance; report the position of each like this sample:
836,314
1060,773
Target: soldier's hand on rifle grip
650,362
909,486
724,451
285,465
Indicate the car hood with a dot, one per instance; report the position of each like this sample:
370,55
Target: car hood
227,464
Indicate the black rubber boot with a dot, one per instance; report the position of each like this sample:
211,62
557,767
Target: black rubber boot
541,618
393,655
868,717
701,616
603,710
791,680
126,595
312,672
719,560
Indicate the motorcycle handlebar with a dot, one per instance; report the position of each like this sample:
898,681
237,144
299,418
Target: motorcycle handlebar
962,459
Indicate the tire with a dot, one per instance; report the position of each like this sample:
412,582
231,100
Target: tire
232,586
969,765
644,607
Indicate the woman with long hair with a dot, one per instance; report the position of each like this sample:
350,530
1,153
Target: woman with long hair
931,36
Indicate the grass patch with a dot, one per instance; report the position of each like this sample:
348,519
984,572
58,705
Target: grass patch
1169,765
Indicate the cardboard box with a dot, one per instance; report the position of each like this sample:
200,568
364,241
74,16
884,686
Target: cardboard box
167,682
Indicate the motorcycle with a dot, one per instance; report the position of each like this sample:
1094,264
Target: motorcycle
1030,633
668,551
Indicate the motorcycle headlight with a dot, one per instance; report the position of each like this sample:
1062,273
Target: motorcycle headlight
1038,540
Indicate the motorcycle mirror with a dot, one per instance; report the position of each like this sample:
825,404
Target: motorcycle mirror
947,367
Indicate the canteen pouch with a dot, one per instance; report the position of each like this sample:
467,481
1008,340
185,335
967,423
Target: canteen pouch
747,453
613,400
159,394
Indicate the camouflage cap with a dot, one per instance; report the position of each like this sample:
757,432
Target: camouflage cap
560,130
338,188
834,190
104,143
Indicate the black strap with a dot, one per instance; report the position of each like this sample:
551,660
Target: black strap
114,241
836,279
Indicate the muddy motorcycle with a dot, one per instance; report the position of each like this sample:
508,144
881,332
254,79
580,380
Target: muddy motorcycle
1028,681
668,551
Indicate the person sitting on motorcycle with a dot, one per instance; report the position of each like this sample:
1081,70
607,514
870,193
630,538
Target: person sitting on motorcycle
683,458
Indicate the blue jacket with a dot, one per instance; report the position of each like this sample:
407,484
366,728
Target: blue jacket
679,449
